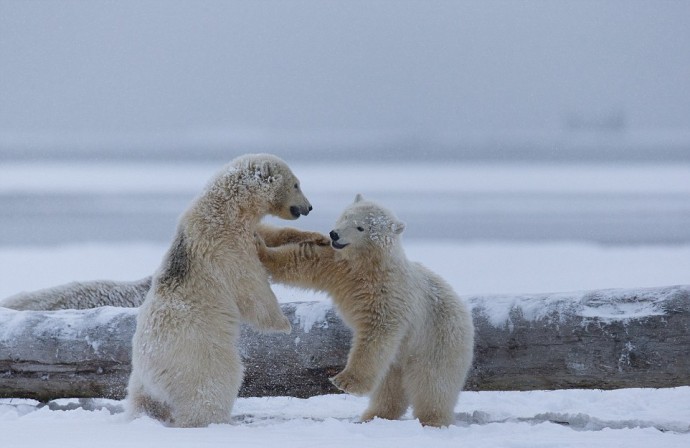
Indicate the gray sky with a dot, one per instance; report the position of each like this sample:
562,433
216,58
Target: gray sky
416,66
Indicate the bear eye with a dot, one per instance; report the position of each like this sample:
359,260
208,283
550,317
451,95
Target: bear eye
360,228
296,186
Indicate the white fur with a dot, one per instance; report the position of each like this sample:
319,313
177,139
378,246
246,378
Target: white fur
186,370
413,336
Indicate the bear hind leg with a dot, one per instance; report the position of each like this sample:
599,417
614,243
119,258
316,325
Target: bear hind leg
433,404
434,382
139,402
153,408
199,415
203,401
388,400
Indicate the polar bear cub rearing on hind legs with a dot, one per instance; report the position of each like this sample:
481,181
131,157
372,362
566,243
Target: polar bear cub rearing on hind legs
186,370
413,336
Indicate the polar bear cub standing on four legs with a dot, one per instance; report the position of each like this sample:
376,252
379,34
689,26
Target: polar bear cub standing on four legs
413,337
186,370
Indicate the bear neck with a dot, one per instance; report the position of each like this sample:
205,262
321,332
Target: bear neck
383,260
234,211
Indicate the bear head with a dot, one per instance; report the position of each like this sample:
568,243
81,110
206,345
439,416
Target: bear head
365,225
281,188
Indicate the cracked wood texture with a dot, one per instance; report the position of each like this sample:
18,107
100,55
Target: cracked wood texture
597,339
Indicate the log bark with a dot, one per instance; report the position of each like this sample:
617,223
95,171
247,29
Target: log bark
599,339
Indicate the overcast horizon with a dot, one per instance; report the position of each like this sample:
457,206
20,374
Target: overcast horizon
355,68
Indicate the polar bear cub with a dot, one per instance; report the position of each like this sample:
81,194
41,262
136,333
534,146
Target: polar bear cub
413,337
186,370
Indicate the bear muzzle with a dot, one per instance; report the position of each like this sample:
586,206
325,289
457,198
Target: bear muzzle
297,211
334,240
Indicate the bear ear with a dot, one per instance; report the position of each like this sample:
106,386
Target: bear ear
265,169
359,198
397,227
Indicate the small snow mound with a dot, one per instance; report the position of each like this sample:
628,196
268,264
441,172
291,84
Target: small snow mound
584,422
576,422
309,314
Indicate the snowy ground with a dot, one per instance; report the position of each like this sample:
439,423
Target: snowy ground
574,418
635,205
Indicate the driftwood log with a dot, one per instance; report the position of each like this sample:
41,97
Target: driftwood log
599,339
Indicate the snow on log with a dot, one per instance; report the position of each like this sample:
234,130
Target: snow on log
599,339
604,339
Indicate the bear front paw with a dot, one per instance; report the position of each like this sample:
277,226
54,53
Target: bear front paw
352,384
320,239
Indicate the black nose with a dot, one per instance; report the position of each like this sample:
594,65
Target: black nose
311,208
334,235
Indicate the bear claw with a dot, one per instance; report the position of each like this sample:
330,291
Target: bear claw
350,384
